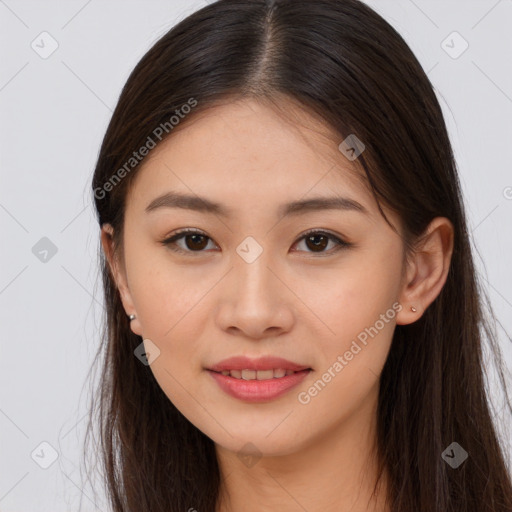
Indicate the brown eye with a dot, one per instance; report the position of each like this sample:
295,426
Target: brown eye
317,242
194,241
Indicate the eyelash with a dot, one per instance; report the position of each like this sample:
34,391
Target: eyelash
170,241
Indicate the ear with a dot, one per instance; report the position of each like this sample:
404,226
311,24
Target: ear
427,270
119,274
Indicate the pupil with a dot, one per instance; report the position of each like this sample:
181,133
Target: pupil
316,244
195,237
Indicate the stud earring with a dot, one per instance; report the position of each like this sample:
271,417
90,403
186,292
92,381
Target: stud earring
413,309
132,317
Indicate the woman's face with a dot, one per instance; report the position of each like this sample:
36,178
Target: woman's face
253,285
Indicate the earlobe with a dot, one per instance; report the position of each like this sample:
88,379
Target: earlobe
427,270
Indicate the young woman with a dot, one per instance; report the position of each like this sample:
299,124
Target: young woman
293,318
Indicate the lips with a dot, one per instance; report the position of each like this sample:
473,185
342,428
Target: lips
264,390
241,363
257,374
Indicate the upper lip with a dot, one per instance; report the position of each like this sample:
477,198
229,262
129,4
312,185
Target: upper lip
260,363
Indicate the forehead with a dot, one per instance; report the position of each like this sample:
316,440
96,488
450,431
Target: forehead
246,154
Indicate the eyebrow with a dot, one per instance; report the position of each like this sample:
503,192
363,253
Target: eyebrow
203,205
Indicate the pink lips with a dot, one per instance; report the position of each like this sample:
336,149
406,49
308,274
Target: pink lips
257,390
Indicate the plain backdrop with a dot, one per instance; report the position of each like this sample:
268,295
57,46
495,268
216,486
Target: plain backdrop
54,112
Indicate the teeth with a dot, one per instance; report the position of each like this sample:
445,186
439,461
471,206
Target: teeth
249,374
263,374
257,375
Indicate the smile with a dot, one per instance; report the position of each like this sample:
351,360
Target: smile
257,374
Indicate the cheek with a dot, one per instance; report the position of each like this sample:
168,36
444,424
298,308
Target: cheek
352,358
168,307
358,309
167,295
354,295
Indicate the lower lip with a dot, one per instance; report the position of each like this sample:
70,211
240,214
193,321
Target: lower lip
258,390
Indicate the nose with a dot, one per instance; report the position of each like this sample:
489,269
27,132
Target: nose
255,300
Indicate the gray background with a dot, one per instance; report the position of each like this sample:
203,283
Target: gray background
53,115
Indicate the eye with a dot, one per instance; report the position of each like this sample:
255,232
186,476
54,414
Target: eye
319,240
195,241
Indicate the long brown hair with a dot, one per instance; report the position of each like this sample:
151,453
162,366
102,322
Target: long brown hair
342,62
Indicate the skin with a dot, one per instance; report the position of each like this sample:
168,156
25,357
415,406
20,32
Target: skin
201,307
